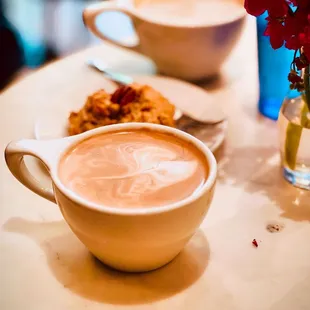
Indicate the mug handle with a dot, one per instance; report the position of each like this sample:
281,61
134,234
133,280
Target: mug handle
89,18
45,151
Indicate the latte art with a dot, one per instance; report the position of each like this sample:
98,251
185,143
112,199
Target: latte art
133,169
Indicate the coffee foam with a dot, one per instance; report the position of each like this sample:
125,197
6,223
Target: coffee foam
133,169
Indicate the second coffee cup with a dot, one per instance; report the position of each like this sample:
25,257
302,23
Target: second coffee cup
188,39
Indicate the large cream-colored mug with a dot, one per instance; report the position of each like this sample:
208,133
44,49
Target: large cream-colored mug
187,52
133,239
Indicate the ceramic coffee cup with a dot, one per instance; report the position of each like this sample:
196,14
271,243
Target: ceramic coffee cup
128,239
190,52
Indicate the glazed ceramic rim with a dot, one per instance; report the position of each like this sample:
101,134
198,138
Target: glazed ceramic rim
135,12
208,155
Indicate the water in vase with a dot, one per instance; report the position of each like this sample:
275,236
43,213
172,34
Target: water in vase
296,166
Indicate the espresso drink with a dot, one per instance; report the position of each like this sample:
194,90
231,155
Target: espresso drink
133,169
190,12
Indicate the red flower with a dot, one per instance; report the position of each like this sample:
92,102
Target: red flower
256,8
293,77
295,24
277,8
293,2
275,30
289,23
304,37
301,62
293,43
294,27
303,4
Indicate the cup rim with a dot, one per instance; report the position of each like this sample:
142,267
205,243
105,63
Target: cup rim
208,155
134,11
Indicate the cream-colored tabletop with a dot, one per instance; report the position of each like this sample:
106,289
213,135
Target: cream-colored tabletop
44,266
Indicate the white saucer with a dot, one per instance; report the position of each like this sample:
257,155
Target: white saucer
192,100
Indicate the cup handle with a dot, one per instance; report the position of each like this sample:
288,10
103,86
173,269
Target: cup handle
45,151
89,18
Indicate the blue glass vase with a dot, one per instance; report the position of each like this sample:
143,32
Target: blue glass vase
274,67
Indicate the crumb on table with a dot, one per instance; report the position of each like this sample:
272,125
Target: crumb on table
254,242
274,227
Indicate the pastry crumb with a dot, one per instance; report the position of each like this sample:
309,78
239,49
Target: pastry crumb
133,103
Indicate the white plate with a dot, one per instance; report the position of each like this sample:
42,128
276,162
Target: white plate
194,101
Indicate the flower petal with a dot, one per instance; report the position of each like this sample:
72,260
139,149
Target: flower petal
256,8
275,30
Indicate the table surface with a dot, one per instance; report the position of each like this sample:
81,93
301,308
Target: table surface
44,266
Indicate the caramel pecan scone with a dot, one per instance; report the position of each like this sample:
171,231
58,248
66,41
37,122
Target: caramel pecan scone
134,103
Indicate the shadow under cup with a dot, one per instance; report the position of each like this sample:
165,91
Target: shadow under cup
127,239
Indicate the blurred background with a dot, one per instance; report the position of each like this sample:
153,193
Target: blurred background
34,32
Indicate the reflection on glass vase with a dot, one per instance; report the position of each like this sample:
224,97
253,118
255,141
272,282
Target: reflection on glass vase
294,132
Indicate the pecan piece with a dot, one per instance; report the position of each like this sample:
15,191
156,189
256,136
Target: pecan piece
124,95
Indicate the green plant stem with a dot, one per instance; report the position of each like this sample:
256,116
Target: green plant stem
307,86
294,131
293,135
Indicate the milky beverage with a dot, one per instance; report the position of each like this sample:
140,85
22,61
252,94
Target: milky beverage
190,12
133,169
